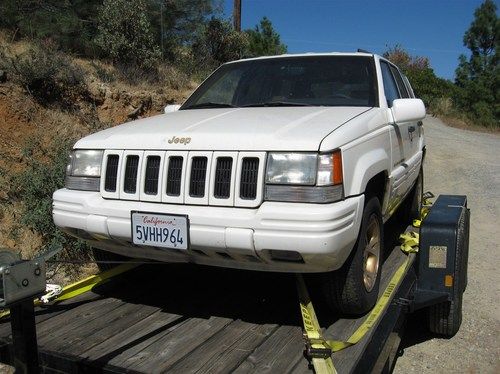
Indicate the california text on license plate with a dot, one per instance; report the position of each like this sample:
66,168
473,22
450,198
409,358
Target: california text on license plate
160,230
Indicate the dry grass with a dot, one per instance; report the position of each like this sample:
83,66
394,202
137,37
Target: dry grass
443,109
466,124
15,236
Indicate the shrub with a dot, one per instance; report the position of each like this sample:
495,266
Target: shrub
35,186
124,33
103,73
47,75
172,77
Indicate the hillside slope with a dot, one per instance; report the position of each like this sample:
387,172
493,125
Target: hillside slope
32,132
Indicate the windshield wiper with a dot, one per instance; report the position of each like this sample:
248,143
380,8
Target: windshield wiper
275,103
210,104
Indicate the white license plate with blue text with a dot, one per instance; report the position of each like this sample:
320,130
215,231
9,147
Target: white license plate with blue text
160,230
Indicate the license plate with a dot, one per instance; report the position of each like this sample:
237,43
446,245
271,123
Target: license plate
160,230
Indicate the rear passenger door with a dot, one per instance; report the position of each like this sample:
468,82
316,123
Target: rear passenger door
419,144
400,138
412,135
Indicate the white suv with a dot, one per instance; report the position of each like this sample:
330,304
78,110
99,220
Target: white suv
289,163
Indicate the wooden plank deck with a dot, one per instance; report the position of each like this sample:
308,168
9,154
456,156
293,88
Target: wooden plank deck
182,318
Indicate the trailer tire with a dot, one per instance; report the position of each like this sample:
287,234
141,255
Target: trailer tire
445,318
346,289
100,255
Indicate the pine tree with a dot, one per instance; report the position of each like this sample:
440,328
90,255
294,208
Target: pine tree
479,76
264,40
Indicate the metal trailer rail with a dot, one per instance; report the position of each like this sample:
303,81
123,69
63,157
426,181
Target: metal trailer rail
181,318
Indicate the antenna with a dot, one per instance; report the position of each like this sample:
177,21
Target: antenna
363,51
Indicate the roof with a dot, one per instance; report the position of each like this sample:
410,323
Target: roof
308,54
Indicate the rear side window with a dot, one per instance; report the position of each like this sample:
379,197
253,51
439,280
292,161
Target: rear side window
408,86
390,87
402,88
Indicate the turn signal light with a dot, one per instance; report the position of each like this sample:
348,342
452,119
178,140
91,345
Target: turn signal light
337,167
448,280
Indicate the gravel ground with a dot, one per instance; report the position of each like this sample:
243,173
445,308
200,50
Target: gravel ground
464,162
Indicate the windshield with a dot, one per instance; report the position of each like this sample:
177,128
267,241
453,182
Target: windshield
290,81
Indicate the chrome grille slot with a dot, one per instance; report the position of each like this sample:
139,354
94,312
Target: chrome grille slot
111,173
174,176
131,167
198,177
249,176
222,188
152,173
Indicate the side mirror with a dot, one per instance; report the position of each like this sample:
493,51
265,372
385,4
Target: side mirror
408,110
170,108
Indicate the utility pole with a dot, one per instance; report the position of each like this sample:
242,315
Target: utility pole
237,15
161,30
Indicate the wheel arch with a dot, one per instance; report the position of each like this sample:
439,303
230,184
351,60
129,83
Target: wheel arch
377,187
369,175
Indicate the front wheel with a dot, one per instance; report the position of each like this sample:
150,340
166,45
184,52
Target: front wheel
353,289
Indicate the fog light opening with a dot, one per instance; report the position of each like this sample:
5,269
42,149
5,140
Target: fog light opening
287,256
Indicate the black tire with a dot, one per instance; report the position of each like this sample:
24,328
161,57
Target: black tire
345,290
445,318
413,204
100,255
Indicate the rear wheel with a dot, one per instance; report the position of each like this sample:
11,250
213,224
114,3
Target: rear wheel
353,289
101,257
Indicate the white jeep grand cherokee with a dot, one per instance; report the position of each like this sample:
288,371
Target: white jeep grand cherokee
289,163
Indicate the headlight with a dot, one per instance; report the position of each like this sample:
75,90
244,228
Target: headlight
292,168
304,177
84,170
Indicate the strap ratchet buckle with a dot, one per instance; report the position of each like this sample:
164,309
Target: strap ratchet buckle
324,351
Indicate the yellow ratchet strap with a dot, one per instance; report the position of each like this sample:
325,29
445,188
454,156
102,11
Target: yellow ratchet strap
84,285
317,347
409,242
320,349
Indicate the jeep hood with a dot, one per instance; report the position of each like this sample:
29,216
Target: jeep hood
234,129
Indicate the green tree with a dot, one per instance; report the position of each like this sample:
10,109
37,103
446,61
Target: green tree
177,22
69,24
125,33
425,83
264,40
479,76
217,43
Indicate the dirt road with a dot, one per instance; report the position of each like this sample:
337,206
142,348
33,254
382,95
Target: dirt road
464,162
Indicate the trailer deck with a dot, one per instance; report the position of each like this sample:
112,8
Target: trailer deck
182,318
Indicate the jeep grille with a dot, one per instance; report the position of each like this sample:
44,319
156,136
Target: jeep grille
184,177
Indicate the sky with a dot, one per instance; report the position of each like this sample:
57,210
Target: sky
431,28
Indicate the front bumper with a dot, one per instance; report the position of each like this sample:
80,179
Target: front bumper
323,234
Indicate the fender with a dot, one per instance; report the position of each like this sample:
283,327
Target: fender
363,161
371,163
